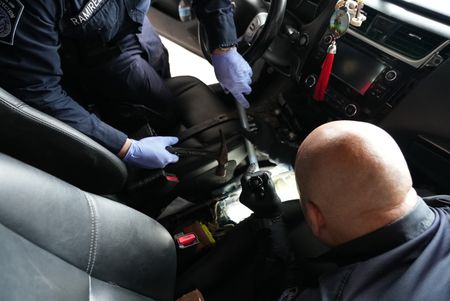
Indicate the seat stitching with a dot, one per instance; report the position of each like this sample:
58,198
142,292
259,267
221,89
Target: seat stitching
38,245
44,247
94,233
91,214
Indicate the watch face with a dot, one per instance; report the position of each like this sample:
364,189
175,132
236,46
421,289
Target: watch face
339,22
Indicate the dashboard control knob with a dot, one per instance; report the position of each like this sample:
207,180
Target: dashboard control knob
303,40
391,75
310,81
297,38
350,110
328,39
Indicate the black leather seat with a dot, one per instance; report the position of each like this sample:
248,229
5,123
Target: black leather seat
50,145
197,105
47,143
60,243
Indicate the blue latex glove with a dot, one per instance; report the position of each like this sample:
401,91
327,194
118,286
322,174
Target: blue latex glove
234,74
151,152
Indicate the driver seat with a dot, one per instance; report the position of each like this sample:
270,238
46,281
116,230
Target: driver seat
50,145
61,243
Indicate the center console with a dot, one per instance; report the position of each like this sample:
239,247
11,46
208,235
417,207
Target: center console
365,83
374,67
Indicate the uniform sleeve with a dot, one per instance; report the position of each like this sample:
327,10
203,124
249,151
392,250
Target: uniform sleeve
31,70
218,18
272,255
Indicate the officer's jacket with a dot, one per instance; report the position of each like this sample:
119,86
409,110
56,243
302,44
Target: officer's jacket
406,260
33,31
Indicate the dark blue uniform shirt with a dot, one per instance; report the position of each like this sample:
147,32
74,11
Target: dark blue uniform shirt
32,33
406,260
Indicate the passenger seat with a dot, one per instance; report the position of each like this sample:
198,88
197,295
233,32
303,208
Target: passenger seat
60,243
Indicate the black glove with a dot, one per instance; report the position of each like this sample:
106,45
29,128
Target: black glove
259,195
264,137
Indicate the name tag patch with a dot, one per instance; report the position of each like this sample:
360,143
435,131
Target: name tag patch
10,12
87,12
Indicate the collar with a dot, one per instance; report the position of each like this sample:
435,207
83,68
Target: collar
384,239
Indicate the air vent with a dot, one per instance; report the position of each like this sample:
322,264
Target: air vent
412,41
406,39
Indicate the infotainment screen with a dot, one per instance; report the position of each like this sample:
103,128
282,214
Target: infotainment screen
355,68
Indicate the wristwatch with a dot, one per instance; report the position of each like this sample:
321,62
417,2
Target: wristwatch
220,50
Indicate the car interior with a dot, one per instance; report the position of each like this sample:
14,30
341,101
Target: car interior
77,223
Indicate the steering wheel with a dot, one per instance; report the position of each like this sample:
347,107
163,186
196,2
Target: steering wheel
257,24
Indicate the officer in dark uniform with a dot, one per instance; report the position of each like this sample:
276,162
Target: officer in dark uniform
118,56
357,195
380,240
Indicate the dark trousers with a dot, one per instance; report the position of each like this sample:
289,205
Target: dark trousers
134,75
233,270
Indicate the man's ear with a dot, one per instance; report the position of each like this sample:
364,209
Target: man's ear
314,217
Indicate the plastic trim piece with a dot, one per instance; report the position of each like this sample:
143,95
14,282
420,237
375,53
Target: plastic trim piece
414,63
410,17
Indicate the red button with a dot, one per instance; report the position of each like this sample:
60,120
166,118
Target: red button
187,239
172,179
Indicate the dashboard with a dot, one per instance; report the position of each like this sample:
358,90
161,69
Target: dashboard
393,71
376,64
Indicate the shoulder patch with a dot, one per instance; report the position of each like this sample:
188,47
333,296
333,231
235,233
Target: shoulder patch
10,12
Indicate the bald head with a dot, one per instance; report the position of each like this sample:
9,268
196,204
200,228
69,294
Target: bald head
356,178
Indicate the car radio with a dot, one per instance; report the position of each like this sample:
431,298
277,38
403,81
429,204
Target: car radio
361,86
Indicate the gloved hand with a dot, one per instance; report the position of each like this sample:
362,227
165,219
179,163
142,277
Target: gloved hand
234,74
259,195
151,152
